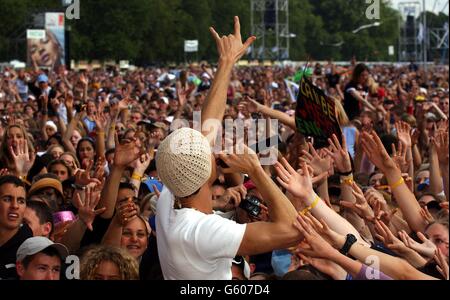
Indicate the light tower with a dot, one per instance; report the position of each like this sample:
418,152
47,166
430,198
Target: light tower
270,24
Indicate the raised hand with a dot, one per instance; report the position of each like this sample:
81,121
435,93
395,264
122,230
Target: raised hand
427,248
86,210
404,133
319,248
385,235
100,121
84,80
425,213
245,163
141,164
376,153
23,159
361,207
83,177
339,154
126,152
299,185
442,264
231,48
68,100
399,157
231,198
440,143
335,239
319,164
126,211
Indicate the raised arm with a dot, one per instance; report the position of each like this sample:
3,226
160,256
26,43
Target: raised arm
230,49
393,267
279,233
124,154
274,114
406,200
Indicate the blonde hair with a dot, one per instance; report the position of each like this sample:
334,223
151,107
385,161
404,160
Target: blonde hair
341,114
5,155
127,264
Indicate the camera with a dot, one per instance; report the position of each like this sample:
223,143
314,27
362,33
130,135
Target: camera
252,205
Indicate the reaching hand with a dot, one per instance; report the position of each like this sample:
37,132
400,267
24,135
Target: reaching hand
245,163
322,227
404,133
23,159
126,211
83,177
440,143
339,154
100,122
376,153
427,248
319,164
231,198
84,80
425,213
361,207
319,247
126,152
299,184
231,48
385,235
86,210
399,157
442,264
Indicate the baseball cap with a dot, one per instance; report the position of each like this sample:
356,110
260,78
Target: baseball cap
42,78
37,244
150,182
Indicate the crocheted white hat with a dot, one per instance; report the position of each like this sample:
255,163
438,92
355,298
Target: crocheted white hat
183,161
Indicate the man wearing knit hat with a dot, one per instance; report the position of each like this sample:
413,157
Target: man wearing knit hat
194,243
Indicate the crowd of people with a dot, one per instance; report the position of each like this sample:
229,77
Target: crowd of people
92,165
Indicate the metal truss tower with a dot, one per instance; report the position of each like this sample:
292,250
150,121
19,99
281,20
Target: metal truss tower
270,24
410,43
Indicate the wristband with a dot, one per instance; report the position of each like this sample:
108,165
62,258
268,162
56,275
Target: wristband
136,176
348,180
309,208
398,183
24,180
345,173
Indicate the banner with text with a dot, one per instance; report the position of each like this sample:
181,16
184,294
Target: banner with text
315,115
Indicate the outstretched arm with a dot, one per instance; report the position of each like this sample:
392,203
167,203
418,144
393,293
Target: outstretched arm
406,200
230,49
279,233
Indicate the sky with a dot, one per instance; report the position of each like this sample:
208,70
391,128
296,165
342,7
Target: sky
438,5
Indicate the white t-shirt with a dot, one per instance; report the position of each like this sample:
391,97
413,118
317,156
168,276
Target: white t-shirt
193,245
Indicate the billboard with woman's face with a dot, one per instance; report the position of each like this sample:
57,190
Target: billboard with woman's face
48,52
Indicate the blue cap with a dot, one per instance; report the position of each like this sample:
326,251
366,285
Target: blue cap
150,182
42,78
281,261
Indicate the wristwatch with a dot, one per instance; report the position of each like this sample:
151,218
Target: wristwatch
349,241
